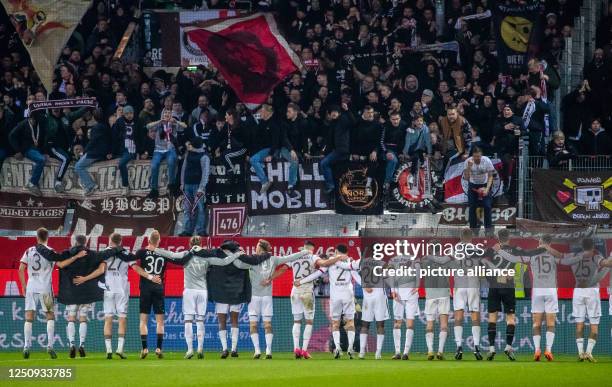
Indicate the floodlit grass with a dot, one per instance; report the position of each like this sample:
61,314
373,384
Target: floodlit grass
322,370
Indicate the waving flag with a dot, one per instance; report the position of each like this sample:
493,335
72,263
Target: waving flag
44,27
249,52
455,186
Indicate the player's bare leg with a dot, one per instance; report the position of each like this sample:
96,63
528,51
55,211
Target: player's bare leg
200,332
144,333
476,334
82,335
306,339
580,340
550,335
380,339
397,339
349,326
588,355
269,337
235,332
108,336
336,336
121,340
442,337
458,329
510,328
429,339
189,336
159,329
537,335
222,319
363,338
254,330
409,338
27,333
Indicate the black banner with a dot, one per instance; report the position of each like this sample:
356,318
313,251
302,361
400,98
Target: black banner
225,187
517,25
309,194
25,212
62,103
413,187
359,188
570,196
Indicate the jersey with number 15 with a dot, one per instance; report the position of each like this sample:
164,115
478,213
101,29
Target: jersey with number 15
153,264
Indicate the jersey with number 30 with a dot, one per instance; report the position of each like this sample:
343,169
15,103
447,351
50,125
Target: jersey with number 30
39,271
153,264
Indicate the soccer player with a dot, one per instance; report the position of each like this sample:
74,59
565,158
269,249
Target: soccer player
151,293
39,290
302,300
341,294
437,305
405,304
261,299
586,302
544,299
501,295
374,306
195,293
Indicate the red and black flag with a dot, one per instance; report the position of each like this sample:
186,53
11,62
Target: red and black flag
249,52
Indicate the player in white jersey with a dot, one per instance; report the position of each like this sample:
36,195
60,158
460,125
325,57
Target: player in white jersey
261,305
437,304
38,290
544,300
405,293
339,269
195,293
586,302
302,300
374,305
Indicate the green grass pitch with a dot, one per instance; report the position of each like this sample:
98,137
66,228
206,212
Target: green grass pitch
322,370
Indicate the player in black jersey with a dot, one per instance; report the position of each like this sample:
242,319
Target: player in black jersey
501,294
151,292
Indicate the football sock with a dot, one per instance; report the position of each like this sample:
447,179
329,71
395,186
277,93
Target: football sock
50,333
363,341
536,342
550,339
108,344
120,344
200,334
492,332
307,335
27,334
580,345
70,332
590,346
297,327
442,340
82,333
189,336
397,339
476,334
336,336
458,335
234,332
160,340
510,334
269,338
429,339
143,341
408,343
380,339
223,338
255,340
351,339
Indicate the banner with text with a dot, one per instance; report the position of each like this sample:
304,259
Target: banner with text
309,195
359,186
571,196
457,215
24,212
225,187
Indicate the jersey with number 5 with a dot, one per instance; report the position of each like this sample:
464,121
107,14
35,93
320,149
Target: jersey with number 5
39,271
340,282
302,268
153,264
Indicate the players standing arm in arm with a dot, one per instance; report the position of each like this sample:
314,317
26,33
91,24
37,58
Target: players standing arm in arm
52,255
349,264
330,261
443,260
94,274
570,259
69,261
254,259
141,272
318,273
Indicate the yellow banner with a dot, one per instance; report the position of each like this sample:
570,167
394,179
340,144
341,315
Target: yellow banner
44,27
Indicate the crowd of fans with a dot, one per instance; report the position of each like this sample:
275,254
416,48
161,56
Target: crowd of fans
365,93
